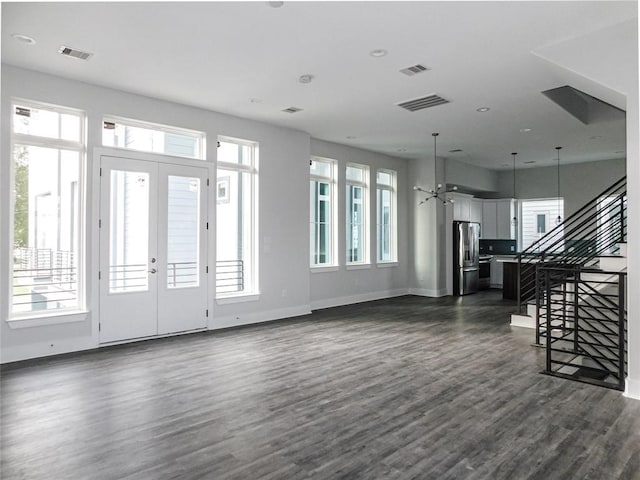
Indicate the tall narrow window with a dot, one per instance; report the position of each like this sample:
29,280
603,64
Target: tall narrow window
386,229
322,217
236,218
46,258
357,210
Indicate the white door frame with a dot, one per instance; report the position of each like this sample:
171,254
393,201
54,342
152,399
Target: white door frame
93,242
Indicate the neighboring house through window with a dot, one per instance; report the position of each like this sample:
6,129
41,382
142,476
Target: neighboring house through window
46,265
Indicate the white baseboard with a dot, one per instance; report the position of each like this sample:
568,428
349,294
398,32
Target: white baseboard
425,292
258,317
46,349
363,297
524,321
632,389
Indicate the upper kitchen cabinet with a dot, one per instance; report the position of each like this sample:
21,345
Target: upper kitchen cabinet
505,210
461,206
496,219
475,210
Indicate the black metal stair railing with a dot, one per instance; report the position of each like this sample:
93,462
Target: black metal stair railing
585,320
593,231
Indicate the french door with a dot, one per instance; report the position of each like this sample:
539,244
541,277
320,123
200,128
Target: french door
153,248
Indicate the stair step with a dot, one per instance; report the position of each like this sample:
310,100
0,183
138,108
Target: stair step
524,321
613,264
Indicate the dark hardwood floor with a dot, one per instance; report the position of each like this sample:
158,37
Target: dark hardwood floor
406,388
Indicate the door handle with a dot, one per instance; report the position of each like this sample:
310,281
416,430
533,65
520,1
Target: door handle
153,270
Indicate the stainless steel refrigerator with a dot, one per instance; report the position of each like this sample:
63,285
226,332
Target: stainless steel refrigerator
466,252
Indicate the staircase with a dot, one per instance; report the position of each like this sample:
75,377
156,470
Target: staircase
572,289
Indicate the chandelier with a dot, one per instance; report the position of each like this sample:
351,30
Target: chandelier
440,192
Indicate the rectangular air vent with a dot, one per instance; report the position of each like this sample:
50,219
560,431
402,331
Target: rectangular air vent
422,103
292,110
414,69
71,52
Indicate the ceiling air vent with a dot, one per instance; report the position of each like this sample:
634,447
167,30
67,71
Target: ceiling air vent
292,110
422,103
414,69
71,52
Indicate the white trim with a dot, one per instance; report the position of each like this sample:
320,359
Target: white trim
427,292
632,389
387,264
358,266
324,269
45,320
351,299
239,298
258,317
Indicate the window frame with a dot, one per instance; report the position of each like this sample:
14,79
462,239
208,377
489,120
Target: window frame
201,137
333,209
393,215
366,236
61,315
550,216
253,290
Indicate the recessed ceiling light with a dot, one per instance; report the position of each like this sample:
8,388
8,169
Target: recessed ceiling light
482,109
378,53
275,4
525,130
23,38
306,78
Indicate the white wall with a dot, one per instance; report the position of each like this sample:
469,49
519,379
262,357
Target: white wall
350,285
284,175
579,182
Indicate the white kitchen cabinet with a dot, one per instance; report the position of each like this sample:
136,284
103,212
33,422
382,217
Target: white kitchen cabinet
489,220
504,214
475,210
461,206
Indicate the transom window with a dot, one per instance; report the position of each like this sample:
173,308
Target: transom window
357,211
386,229
150,137
48,200
321,212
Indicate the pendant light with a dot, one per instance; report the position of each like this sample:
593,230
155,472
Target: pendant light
559,217
514,220
440,192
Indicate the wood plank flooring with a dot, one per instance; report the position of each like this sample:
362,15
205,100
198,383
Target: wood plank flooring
406,388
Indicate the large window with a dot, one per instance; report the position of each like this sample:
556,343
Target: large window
539,218
236,217
149,137
386,229
48,159
322,216
357,211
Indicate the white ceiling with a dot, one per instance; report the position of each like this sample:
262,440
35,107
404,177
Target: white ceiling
220,55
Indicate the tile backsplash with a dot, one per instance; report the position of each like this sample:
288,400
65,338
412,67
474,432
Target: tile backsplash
498,247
